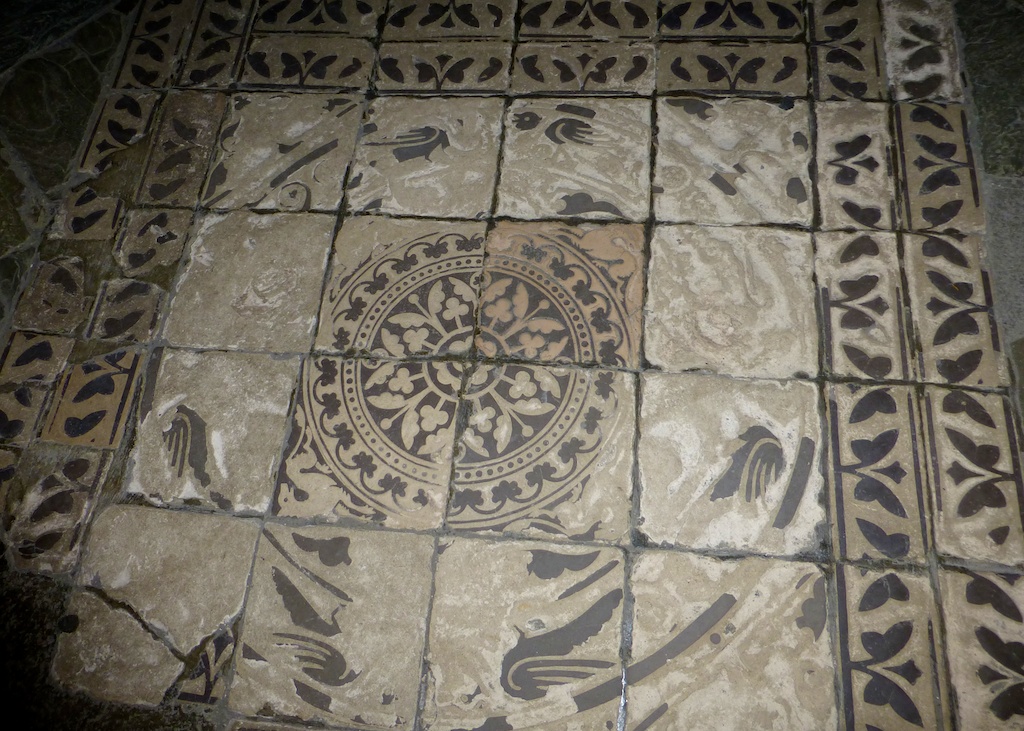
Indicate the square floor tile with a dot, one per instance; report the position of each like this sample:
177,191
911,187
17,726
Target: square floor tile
866,333
126,310
951,302
733,161
371,440
983,629
446,66
55,300
247,285
334,627
940,184
211,430
699,316
216,43
301,60
747,68
714,640
412,20
341,17
755,18
546,451
34,358
283,151
888,630
152,240
636,19
920,50
400,288
583,67
579,157
524,635
855,166
123,121
563,294
880,502
427,157
975,467
847,48
738,468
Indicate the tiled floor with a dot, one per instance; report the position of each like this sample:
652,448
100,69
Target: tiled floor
492,365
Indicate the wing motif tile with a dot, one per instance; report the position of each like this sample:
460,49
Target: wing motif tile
583,67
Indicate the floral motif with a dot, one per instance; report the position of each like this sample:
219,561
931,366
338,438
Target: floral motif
847,49
729,17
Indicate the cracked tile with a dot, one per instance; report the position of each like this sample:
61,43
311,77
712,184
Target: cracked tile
127,310
983,626
151,240
283,151
583,67
951,302
524,635
920,50
563,294
864,306
87,215
699,318
450,66
855,168
731,19
576,157
847,46
940,184
211,429
371,440
878,473
740,469
888,628
636,19
334,627
205,681
708,638
247,286
547,452
410,20
733,161
296,60
341,17
975,472
747,68
55,301
161,33
33,358
401,288
427,157
218,38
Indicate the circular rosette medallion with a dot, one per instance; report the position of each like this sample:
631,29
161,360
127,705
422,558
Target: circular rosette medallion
531,439
372,439
416,298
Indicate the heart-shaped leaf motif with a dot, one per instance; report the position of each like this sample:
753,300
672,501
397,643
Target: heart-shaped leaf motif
881,591
981,592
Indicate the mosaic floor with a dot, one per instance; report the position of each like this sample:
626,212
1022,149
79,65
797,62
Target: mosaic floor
492,365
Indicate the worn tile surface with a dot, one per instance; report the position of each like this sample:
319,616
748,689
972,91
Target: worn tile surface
446,66
730,19
411,20
634,19
308,61
578,67
847,48
749,68
920,50
342,17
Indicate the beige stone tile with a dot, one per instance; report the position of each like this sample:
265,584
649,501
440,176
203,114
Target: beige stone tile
152,241
283,151
34,358
21,407
546,451
576,157
563,294
983,626
402,287
184,574
427,157
123,121
920,49
847,46
334,627
216,42
855,166
747,68
888,629
341,17
864,306
87,215
206,677
880,502
636,19
49,501
160,37
739,468
524,635
107,654
698,318
951,303
93,401
447,66
940,185
247,285
756,19
733,644
411,20
584,67
302,60
211,430
733,161
127,310
975,474
55,300
371,440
